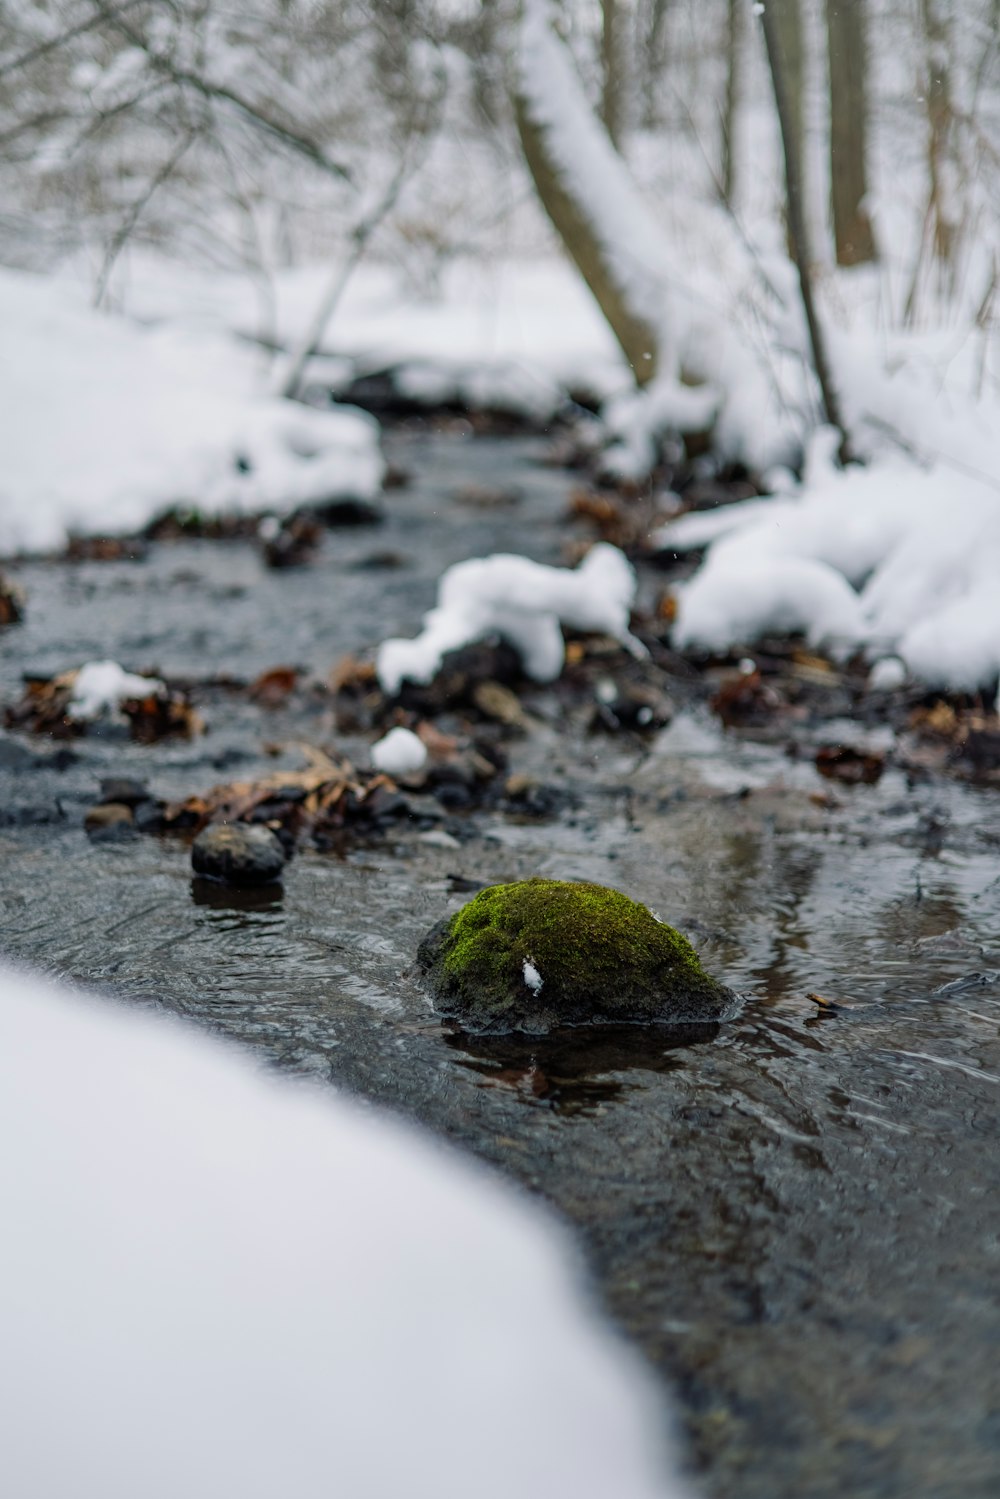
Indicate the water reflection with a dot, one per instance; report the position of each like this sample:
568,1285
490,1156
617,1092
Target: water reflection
576,1071
219,897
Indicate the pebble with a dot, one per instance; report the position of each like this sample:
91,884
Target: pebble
238,853
111,822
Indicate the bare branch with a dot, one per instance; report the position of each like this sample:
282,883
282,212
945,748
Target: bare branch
138,208
287,134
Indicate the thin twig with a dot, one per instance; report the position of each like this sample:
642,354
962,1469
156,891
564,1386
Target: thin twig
126,228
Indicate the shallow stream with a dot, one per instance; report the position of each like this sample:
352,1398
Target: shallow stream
797,1220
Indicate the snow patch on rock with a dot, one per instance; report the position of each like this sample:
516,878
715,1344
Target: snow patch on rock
102,686
525,603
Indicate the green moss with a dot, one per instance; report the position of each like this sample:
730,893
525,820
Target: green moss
601,957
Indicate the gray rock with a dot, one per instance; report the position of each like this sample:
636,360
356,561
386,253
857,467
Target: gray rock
238,853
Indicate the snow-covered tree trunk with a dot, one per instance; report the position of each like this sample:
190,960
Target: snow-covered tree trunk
848,60
543,80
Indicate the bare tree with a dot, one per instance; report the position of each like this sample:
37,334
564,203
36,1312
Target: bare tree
797,232
785,29
848,61
730,109
941,125
612,70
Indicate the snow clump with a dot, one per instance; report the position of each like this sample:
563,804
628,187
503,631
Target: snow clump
892,559
215,1281
525,603
532,977
400,753
102,686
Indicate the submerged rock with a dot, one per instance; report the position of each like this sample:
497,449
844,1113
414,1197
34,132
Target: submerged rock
239,853
541,953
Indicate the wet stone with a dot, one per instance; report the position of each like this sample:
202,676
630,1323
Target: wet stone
110,822
123,790
540,954
238,853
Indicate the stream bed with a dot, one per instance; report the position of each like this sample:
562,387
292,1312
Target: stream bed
796,1220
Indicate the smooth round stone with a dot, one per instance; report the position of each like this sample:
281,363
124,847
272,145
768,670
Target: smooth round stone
238,852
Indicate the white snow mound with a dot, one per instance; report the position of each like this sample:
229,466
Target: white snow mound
214,1282
107,424
897,559
400,753
525,603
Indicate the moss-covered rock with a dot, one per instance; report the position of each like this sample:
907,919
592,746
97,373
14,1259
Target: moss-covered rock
543,953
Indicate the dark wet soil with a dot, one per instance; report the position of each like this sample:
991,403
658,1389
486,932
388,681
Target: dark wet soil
795,1217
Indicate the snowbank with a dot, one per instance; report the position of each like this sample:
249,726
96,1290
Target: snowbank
892,558
525,603
496,332
107,423
217,1283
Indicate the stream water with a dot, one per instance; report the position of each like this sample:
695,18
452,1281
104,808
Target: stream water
797,1220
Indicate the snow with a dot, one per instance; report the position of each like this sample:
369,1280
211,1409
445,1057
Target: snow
496,331
525,603
532,977
107,424
102,686
892,558
399,753
217,1282
887,674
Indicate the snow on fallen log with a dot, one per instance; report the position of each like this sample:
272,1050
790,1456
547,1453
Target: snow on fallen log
523,602
107,424
217,1282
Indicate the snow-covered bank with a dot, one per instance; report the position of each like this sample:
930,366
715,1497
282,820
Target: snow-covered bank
492,332
214,1282
891,558
107,424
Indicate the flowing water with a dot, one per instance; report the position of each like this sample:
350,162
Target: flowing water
795,1218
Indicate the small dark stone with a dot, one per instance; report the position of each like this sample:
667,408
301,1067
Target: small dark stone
110,822
148,815
124,790
346,512
237,853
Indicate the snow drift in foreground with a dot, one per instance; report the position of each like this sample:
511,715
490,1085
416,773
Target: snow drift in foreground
891,558
107,424
214,1282
523,602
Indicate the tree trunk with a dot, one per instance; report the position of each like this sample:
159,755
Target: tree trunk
797,232
940,119
734,51
785,26
654,61
635,337
848,59
612,84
